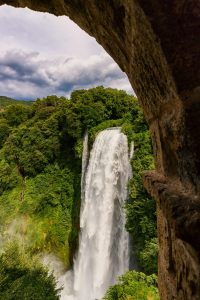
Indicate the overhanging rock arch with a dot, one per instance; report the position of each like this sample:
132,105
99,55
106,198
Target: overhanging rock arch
157,44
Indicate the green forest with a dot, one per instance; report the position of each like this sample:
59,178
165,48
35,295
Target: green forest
40,179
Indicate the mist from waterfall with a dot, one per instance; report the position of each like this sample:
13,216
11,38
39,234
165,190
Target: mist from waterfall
103,252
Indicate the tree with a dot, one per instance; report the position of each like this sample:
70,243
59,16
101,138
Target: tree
23,277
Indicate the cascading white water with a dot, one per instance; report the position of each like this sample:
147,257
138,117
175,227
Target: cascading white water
85,154
104,243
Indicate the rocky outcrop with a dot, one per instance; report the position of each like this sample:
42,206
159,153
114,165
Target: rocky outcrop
178,230
157,44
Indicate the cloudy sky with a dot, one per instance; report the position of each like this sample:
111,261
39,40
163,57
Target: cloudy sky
42,55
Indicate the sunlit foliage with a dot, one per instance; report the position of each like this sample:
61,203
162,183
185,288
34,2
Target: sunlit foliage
134,286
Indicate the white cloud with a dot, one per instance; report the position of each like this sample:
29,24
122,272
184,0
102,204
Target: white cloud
45,33
42,54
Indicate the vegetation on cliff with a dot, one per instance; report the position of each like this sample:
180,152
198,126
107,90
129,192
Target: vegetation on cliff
141,210
40,171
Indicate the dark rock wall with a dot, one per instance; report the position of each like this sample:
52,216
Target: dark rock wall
178,229
157,44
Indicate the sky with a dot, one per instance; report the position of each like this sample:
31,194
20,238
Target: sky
42,54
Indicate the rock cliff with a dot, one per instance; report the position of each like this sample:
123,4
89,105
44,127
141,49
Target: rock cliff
157,44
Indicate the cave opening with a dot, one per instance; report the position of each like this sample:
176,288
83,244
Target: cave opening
156,44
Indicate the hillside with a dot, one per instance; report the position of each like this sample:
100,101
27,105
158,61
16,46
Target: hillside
5,101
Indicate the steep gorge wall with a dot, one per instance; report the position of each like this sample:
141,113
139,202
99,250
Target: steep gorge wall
157,44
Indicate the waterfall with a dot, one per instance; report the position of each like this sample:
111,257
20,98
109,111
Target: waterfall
104,243
85,155
131,150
